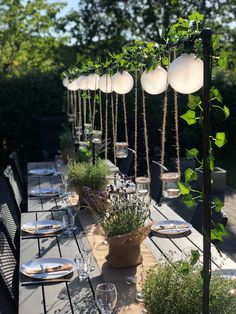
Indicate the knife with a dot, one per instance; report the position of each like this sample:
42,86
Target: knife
41,282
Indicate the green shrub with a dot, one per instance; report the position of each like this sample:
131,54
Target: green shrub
167,290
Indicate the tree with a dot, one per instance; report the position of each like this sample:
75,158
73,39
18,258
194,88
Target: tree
28,38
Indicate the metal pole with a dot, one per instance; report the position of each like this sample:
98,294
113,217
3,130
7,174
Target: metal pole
206,272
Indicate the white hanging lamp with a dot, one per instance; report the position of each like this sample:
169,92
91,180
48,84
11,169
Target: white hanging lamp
92,81
122,83
72,85
82,82
154,82
185,74
65,82
105,84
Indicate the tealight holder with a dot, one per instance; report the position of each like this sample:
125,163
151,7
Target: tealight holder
170,187
142,186
97,137
71,117
121,149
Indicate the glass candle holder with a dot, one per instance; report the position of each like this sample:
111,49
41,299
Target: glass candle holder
78,131
142,186
97,136
71,117
121,150
170,187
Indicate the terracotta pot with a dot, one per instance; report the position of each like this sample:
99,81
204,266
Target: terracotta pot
124,250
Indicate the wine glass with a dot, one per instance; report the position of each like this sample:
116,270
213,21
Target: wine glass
59,162
87,241
106,297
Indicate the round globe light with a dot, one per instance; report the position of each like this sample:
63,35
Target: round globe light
65,81
185,74
82,82
72,85
104,83
154,82
92,81
122,83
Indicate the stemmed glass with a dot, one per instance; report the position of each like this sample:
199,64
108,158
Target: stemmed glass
87,241
59,162
106,297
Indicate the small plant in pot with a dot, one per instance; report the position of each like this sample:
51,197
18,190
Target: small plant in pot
125,228
176,288
90,183
66,145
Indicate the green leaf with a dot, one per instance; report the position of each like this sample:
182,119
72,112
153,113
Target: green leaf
189,117
226,111
194,257
219,232
195,16
185,268
165,60
220,139
211,161
190,175
193,101
218,204
183,188
188,200
223,59
191,153
216,94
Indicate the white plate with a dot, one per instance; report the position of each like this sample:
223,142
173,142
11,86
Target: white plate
171,227
44,226
42,172
47,262
44,192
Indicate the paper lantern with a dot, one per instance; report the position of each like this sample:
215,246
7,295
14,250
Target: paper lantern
65,81
185,74
82,82
72,85
92,81
122,83
154,82
104,83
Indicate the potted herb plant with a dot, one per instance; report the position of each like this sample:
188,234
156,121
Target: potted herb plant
125,228
90,181
176,288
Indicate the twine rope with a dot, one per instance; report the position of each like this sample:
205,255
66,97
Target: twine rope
145,133
163,132
90,106
100,109
136,124
176,127
125,119
113,127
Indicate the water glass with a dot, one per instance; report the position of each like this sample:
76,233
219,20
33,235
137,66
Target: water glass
106,297
59,162
68,223
83,265
87,241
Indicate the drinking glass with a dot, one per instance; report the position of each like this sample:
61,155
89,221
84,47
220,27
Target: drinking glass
83,266
106,297
59,162
68,223
87,241
72,211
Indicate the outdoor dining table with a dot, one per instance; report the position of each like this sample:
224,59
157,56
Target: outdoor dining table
77,296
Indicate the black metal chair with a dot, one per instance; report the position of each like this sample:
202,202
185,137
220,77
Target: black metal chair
16,166
125,163
14,189
8,274
156,183
12,226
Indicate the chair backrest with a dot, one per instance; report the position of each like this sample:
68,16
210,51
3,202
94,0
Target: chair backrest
8,269
12,225
11,181
125,163
15,164
156,183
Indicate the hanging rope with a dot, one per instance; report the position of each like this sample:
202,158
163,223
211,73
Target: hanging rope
116,121
113,127
68,101
176,127
125,120
106,122
94,109
79,109
163,132
71,102
85,109
100,109
75,106
136,124
90,107
145,133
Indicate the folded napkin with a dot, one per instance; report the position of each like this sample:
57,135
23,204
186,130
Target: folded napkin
171,226
41,269
41,227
